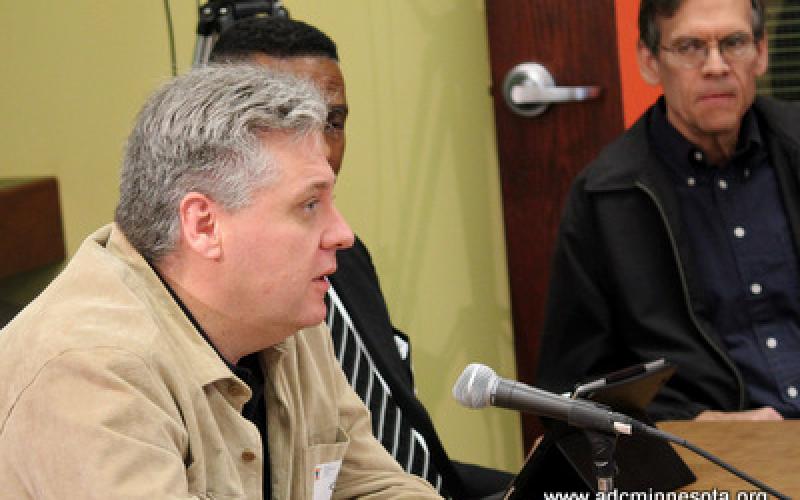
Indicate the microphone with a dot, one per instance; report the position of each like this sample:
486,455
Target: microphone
479,387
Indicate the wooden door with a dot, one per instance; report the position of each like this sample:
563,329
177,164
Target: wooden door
538,157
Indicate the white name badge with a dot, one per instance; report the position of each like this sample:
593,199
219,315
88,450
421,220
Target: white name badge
325,479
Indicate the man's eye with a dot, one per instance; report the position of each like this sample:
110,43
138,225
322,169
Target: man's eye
734,42
690,46
333,125
311,205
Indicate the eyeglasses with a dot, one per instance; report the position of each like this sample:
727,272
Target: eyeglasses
693,53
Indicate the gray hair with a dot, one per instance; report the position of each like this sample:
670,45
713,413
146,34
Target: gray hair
200,132
651,10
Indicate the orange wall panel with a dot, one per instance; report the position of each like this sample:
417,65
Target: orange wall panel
636,94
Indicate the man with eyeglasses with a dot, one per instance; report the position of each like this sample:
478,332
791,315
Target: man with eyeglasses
681,239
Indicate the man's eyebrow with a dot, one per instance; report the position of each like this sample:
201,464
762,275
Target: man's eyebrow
317,186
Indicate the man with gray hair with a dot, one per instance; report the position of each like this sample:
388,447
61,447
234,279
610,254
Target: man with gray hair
151,368
375,355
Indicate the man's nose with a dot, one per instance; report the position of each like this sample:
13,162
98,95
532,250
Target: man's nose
339,235
715,63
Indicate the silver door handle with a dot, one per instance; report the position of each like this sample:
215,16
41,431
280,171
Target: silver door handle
529,89
531,94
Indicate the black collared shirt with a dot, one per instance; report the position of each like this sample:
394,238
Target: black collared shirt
743,255
248,369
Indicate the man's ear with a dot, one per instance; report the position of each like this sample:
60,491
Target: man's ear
648,64
200,225
762,56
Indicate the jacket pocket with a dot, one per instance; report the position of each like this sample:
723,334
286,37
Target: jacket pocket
208,487
322,464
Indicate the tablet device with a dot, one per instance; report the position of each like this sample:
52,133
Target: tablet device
632,388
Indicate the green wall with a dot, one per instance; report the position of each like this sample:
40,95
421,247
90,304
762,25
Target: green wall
419,182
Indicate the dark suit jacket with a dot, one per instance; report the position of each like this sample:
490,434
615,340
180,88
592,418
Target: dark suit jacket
356,283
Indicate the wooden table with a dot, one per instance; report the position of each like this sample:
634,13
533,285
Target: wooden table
767,451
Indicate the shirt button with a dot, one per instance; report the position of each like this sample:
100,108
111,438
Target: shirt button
723,184
755,288
772,342
792,391
691,181
739,232
248,456
746,173
698,156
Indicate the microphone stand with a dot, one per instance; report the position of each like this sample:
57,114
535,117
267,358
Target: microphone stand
603,446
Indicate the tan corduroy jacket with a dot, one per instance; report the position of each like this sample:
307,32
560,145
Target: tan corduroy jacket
108,392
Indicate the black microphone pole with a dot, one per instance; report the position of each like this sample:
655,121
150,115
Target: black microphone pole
603,445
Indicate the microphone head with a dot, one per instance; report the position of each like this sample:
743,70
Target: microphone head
475,387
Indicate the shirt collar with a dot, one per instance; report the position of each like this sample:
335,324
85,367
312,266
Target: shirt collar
208,366
246,368
684,157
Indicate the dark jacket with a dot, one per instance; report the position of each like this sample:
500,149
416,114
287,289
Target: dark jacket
622,288
357,285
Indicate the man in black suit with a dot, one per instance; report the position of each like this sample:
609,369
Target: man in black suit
374,355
